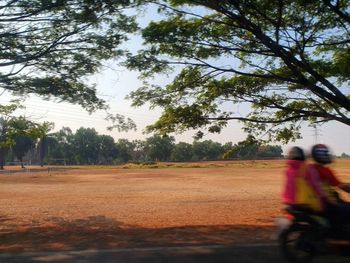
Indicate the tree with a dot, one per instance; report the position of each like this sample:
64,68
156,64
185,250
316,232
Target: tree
270,151
24,137
251,149
53,150
86,144
182,152
247,149
125,150
138,152
344,155
22,145
62,145
107,150
159,148
44,130
8,129
5,143
48,46
206,150
288,61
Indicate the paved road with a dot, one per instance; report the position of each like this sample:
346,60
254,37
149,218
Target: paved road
254,253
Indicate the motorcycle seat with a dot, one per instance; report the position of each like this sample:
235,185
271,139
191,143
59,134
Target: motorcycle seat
304,213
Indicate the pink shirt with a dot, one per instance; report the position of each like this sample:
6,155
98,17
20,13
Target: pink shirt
290,186
289,190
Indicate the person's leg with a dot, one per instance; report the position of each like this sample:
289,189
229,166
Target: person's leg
343,212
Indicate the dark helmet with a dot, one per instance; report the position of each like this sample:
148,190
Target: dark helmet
320,153
296,153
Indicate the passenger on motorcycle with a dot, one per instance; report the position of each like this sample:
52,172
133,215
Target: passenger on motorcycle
301,190
337,210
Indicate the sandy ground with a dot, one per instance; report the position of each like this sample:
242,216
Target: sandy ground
116,208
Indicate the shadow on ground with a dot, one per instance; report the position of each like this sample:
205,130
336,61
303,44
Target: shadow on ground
100,232
99,239
169,255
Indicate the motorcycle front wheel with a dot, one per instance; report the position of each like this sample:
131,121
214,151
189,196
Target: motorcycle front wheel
297,243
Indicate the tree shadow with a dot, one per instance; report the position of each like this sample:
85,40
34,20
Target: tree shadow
97,239
100,232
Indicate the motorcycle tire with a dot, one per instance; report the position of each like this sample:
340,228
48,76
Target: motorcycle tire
297,243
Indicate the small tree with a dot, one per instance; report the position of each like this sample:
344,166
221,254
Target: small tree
7,129
44,130
26,134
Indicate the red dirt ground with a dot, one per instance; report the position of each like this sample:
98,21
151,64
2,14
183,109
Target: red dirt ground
85,208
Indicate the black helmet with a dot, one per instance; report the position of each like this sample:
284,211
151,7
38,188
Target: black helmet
320,153
296,153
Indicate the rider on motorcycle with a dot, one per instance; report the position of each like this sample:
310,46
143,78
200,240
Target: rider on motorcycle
308,231
338,211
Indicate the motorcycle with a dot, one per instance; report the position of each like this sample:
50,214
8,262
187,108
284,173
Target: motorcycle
307,235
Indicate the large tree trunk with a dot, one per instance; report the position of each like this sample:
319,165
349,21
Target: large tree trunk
2,158
22,164
43,143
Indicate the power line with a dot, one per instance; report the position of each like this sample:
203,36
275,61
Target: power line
71,112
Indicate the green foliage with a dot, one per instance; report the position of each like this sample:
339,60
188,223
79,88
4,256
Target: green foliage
86,146
251,148
120,123
19,133
182,152
12,126
107,149
61,145
159,148
48,47
21,146
288,61
6,129
125,150
206,150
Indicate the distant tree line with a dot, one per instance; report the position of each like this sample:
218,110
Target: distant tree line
344,155
86,146
24,140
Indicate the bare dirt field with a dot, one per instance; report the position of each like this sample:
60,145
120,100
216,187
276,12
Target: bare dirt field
111,207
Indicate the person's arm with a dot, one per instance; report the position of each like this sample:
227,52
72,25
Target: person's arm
334,181
344,187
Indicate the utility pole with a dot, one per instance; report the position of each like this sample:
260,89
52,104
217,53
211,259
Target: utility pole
317,134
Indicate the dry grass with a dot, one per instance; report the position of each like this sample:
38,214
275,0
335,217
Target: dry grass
104,207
